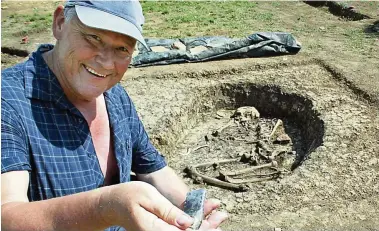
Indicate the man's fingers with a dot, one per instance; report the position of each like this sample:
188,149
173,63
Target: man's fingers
166,211
210,205
206,226
151,222
216,218
172,215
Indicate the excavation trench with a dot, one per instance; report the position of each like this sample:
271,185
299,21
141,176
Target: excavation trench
198,128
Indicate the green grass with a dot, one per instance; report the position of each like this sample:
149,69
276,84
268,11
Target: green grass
317,29
185,18
26,24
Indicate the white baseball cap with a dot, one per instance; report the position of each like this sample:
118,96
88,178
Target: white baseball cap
122,16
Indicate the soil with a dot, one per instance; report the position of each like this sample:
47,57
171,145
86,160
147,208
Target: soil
339,9
336,184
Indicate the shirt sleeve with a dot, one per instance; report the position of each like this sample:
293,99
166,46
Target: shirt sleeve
146,158
14,154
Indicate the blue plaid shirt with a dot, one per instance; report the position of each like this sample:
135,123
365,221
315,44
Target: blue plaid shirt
44,134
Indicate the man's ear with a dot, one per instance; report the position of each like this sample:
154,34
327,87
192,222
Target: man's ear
58,22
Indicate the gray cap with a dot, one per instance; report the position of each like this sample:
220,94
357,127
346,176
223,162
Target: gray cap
123,16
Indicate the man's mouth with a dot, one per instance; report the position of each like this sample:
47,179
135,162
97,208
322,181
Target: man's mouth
92,71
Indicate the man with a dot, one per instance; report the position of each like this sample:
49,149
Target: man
71,135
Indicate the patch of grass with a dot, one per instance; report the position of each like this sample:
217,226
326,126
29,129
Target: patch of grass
266,16
176,19
26,24
275,4
356,38
186,18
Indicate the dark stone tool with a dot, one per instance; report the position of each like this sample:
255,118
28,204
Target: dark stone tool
194,206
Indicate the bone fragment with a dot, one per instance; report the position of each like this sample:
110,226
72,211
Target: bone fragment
207,164
197,148
261,144
278,123
251,169
194,174
251,180
246,113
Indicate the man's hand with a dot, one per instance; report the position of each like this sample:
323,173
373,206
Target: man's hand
139,206
135,206
172,187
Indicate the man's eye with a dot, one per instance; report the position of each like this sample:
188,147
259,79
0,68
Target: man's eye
124,52
123,49
93,37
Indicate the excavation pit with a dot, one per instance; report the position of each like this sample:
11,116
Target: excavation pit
334,182
223,134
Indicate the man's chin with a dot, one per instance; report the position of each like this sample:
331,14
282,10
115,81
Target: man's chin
90,95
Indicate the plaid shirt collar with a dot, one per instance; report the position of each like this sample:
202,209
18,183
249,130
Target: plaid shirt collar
40,81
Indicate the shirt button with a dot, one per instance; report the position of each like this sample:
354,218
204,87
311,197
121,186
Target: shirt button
80,120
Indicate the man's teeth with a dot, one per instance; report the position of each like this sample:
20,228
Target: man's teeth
93,71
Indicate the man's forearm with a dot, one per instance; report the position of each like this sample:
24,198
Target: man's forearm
74,212
168,183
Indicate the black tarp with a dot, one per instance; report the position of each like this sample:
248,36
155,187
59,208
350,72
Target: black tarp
262,44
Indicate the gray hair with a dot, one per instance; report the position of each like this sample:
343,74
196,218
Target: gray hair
69,13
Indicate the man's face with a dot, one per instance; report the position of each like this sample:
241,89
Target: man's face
91,60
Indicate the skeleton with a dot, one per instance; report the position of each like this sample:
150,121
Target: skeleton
264,149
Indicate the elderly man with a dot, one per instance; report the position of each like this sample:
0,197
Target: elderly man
71,135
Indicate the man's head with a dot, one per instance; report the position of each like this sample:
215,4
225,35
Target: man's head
95,42
121,16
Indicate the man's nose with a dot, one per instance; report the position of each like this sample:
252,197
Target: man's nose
106,58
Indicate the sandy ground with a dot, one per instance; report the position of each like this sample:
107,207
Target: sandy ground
337,185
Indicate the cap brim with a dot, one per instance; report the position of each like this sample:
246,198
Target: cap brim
102,20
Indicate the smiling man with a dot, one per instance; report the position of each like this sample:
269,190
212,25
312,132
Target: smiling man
71,135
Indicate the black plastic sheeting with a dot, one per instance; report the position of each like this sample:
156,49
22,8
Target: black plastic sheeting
262,44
